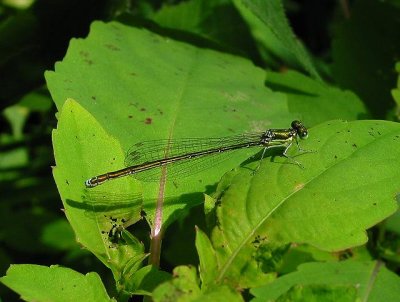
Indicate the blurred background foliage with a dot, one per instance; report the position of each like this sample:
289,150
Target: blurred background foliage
353,44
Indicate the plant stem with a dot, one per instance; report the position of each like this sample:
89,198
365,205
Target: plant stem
156,232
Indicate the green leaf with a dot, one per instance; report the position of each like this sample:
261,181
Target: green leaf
393,222
145,280
216,20
320,293
37,100
396,91
270,46
208,264
15,157
16,116
93,216
349,181
369,281
364,52
59,235
185,16
317,101
185,287
42,283
139,86
299,254
271,13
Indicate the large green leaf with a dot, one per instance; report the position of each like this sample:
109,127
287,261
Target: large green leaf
348,185
41,283
371,281
140,86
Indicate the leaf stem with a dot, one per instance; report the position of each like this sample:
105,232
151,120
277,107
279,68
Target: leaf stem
156,232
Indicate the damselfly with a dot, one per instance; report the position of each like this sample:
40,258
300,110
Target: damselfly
146,156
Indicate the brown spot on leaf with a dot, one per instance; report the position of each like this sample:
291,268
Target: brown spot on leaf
112,47
84,54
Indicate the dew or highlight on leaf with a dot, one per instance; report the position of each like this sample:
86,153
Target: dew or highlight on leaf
299,186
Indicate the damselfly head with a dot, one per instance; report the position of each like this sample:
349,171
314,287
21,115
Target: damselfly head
301,131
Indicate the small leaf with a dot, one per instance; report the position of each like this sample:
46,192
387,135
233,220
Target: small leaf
185,287
17,116
95,217
396,91
273,51
42,283
218,21
208,265
272,14
145,280
59,235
